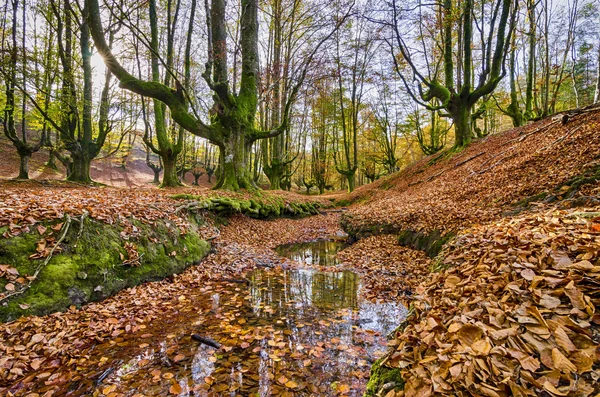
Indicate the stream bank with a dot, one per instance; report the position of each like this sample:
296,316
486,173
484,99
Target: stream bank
284,327
94,260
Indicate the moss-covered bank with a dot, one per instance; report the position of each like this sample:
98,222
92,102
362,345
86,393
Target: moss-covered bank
430,242
261,205
91,264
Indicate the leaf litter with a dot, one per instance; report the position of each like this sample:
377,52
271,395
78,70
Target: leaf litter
275,338
514,313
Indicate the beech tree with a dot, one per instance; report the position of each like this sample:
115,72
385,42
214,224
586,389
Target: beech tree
283,29
453,82
232,119
351,75
9,70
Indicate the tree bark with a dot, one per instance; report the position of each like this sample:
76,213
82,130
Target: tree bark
80,167
24,166
170,178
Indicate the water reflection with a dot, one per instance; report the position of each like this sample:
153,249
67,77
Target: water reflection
202,367
298,332
314,253
304,288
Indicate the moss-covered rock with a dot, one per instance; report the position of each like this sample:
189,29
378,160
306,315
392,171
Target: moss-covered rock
383,376
90,266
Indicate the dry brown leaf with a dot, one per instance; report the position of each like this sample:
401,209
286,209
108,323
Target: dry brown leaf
561,362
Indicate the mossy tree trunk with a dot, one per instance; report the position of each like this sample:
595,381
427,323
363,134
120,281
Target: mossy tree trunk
80,168
24,165
514,110
170,178
461,115
531,61
165,148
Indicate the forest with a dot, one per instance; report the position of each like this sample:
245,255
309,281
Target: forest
300,198
307,96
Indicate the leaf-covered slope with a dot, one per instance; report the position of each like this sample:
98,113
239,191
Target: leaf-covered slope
515,313
453,190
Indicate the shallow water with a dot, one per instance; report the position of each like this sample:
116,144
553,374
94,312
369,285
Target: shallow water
282,332
314,253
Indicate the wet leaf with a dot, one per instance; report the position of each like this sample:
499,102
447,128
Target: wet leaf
175,389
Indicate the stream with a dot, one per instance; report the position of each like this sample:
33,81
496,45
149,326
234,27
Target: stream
285,332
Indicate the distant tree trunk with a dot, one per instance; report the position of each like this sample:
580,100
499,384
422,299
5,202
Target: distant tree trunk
514,110
531,39
597,90
156,170
546,88
24,166
197,176
24,148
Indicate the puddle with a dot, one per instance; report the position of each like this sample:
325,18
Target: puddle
313,253
297,332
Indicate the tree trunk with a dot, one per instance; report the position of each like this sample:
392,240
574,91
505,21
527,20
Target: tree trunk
531,60
80,169
196,177
597,90
461,116
275,172
51,163
156,172
170,178
351,177
24,165
235,174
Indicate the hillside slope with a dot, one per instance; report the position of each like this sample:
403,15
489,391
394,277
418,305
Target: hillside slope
512,306
541,161
106,170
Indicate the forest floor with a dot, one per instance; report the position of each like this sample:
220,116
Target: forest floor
509,307
116,171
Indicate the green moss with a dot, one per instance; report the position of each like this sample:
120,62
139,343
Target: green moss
356,232
342,203
259,206
430,242
90,267
387,185
381,375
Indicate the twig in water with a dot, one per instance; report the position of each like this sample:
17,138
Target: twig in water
206,341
